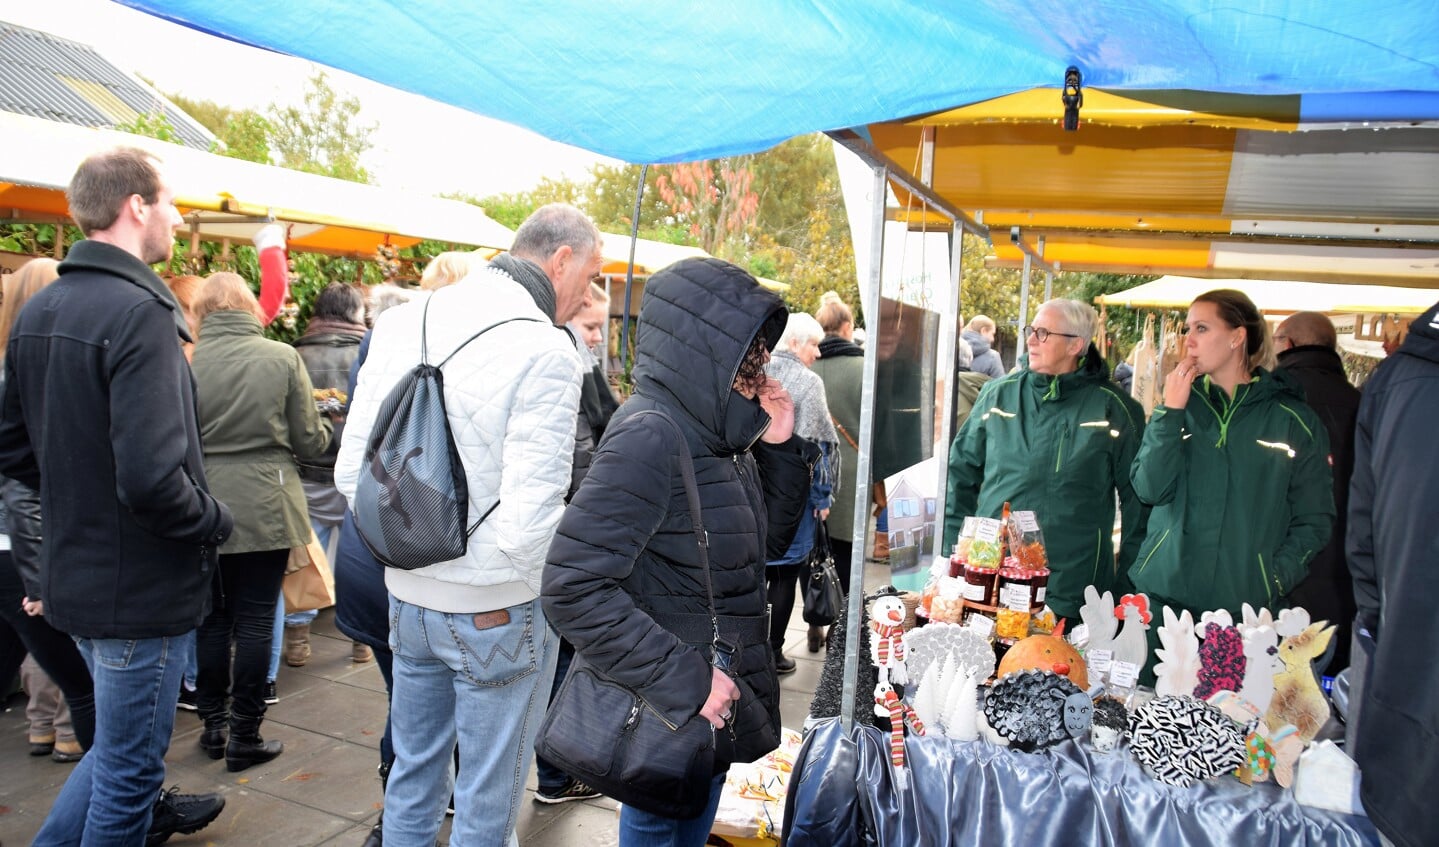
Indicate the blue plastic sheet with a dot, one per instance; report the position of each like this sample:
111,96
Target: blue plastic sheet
653,82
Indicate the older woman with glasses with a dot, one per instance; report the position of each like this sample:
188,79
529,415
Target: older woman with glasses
1055,437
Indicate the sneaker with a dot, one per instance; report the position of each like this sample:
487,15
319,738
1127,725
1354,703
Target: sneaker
189,699
572,790
272,696
783,664
182,814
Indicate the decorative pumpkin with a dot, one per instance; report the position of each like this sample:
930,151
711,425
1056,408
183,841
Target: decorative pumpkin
1046,653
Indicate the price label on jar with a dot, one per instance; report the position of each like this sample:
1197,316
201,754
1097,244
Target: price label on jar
1123,674
1099,660
1039,593
974,593
1026,521
980,624
1014,597
987,529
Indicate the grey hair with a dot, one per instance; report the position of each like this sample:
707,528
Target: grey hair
551,227
385,296
798,329
1076,317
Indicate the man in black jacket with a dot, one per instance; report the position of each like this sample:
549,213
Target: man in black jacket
100,415
1306,342
1392,551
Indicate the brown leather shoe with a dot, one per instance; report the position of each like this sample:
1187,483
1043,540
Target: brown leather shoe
360,653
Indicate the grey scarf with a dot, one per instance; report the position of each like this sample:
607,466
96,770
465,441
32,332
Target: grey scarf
529,275
812,420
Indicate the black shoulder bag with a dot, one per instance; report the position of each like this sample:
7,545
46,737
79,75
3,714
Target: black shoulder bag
606,736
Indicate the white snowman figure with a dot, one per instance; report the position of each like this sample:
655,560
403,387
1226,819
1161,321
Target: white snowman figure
886,642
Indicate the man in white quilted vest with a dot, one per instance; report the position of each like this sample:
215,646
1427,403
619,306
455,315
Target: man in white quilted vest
474,657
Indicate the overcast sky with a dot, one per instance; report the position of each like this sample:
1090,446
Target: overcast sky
420,144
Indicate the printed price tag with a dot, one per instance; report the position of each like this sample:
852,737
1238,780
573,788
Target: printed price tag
987,529
1099,660
1079,636
974,593
981,624
940,566
1124,674
1026,521
1039,593
1015,597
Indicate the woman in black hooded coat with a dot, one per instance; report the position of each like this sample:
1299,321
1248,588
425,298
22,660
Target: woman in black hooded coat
625,552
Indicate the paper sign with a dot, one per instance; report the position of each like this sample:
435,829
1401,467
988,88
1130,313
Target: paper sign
1099,660
981,624
974,593
940,566
967,531
950,588
1079,635
1123,674
987,529
1015,597
1026,521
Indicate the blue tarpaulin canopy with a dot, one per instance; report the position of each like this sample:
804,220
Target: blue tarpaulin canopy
655,82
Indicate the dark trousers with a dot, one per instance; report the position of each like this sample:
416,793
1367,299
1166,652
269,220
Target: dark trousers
243,614
54,651
549,777
780,582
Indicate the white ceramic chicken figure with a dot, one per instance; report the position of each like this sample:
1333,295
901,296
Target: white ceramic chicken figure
886,641
1178,669
1130,645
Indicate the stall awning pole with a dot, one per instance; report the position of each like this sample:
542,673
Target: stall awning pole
866,442
948,340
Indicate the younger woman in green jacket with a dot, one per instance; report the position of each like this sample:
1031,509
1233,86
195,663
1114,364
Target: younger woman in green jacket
1237,470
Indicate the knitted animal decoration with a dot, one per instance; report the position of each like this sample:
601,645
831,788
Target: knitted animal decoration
887,704
886,643
1027,707
1221,661
1180,740
1298,699
1178,668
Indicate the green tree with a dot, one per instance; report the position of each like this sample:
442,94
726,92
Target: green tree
1122,325
239,133
323,136
153,124
512,209
609,199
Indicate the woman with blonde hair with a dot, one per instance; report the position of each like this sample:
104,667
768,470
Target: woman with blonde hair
447,269
21,603
186,287
257,414
1236,466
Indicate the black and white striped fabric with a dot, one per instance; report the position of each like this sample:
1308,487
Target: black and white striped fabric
1181,740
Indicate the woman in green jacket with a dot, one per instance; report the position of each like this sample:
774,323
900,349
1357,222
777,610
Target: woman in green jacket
1057,438
257,414
1237,470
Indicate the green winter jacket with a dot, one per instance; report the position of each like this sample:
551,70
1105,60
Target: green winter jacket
1060,447
257,413
1241,492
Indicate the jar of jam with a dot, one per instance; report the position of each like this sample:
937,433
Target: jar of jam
979,585
1039,581
1016,590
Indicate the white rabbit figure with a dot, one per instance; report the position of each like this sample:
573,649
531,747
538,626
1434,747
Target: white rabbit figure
1261,663
1252,619
1178,669
1099,619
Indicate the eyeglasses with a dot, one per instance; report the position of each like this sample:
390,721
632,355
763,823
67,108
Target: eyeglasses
1043,334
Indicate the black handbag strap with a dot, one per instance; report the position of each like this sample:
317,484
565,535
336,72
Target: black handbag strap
687,470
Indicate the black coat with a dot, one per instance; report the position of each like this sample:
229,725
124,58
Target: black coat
1327,592
328,356
100,415
625,549
1394,558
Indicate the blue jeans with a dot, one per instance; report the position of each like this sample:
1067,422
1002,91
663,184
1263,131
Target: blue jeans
109,796
549,777
643,829
486,685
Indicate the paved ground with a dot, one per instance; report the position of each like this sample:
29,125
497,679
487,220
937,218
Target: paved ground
323,789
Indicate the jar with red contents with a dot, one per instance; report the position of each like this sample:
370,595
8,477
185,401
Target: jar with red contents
1039,582
979,585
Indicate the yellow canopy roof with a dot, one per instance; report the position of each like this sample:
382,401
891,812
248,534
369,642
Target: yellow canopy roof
231,198
1279,297
1191,183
